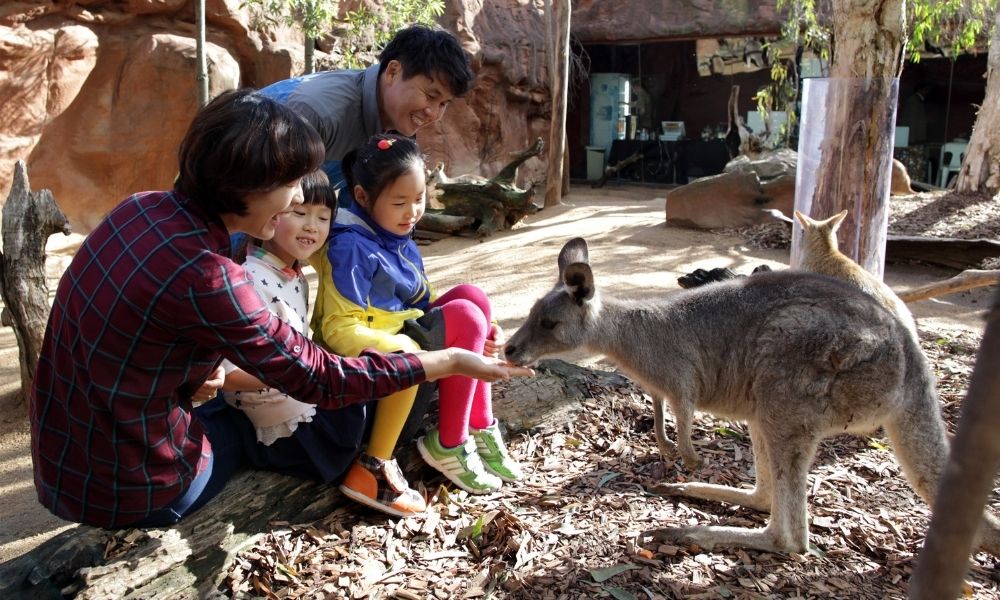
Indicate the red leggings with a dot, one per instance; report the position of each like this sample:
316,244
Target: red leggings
464,402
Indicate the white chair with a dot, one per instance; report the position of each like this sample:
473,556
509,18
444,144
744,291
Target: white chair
952,155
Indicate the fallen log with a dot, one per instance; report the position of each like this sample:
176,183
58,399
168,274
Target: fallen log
493,204
946,252
966,280
442,223
192,559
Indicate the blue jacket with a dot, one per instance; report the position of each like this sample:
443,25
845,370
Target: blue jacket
371,282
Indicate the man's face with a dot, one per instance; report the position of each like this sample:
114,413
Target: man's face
407,105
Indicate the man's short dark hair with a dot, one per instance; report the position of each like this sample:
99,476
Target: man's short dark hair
240,143
433,53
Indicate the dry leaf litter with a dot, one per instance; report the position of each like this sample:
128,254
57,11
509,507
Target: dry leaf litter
574,528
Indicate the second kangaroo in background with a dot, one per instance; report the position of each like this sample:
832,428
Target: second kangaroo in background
821,254
797,356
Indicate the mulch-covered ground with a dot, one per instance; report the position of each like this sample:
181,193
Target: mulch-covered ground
574,528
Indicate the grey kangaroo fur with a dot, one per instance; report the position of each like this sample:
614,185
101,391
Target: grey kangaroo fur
821,254
798,356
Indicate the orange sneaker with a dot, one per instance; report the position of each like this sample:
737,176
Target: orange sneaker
380,484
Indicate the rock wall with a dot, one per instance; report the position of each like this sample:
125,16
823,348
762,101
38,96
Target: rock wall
97,93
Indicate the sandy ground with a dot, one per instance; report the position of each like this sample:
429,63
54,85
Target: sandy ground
631,250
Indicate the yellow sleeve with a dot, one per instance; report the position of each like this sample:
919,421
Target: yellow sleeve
346,328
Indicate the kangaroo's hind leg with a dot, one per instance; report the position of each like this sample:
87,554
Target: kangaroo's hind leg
787,530
758,498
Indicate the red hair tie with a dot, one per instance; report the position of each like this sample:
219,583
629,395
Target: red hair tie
385,144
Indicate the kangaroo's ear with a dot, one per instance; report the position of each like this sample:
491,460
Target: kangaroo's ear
837,219
802,219
579,281
575,251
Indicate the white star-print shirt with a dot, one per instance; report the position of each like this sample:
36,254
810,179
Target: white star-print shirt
286,292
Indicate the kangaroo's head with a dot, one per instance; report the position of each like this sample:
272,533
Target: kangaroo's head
820,234
559,321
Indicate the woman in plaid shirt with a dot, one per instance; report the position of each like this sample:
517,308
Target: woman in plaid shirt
152,303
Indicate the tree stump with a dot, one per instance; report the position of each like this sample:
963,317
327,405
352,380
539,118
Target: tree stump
191,560
29,218
494,204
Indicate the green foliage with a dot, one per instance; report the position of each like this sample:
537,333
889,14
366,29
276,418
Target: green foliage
363,32
311,17
956,26
368,30
801,32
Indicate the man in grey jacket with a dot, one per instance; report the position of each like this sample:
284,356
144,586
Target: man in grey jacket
418,74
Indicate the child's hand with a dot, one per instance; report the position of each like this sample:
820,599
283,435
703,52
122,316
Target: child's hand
211,387
494,341
487,368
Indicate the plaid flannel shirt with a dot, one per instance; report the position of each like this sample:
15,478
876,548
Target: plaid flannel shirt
147,309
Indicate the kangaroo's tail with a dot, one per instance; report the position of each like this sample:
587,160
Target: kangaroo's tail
920,440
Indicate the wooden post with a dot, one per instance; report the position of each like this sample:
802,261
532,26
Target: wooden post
28,221
559,12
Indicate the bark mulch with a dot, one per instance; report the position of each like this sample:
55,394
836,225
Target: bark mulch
574,528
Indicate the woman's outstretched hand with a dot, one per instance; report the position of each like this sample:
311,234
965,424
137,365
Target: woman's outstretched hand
457,361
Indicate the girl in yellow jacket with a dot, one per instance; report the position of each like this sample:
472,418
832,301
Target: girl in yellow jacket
374,294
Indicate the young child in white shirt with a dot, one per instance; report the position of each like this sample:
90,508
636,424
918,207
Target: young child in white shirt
294,437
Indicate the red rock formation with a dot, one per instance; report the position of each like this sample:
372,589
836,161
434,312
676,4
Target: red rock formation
97,93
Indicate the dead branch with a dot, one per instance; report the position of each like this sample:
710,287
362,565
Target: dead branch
966,280
615,168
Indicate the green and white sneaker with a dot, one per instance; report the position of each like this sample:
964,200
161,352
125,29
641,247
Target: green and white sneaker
493,452
461,465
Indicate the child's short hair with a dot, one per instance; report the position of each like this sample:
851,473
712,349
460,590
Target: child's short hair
377,163
316,189
434,53
240,143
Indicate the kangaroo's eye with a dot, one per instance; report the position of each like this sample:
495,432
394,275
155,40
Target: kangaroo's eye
548,324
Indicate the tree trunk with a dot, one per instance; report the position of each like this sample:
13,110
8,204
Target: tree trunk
192,559
28,221
980,170
856,150
310,53
559,12
201,66
968,478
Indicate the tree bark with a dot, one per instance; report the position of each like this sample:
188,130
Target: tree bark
968,478
980,170
856,152
29,218
192,559
559,12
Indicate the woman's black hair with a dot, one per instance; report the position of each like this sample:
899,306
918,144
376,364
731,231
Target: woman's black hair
433,53
240,143
378,163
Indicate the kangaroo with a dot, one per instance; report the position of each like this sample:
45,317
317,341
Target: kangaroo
820,254
797,356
